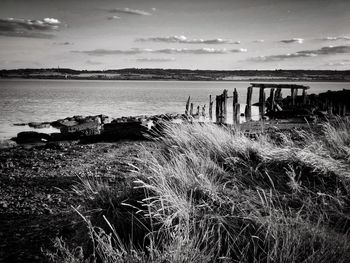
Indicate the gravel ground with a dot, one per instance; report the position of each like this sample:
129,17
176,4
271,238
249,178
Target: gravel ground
36,195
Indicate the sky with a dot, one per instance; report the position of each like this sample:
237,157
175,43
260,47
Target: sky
191,34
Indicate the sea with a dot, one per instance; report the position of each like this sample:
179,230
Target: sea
24,101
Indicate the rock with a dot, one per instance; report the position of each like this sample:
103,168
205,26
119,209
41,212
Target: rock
5,144
19,124
39,125
32,137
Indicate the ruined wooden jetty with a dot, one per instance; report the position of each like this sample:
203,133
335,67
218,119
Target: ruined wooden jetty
275,106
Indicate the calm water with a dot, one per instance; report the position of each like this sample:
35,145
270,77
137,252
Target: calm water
25,101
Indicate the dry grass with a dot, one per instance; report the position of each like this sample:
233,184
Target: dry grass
209,194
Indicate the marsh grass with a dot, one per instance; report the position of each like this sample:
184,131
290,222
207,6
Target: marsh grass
210,194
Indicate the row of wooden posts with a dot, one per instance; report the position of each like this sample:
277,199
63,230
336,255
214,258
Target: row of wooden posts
272,104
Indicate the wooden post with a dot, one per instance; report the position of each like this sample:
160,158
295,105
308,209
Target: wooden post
203,111
191,109
330,107
304,97
217,108
339,108
187,105
210,108
262,99
236,108
248,109
272,99
292,93
278,95
198,110
224,106
344,109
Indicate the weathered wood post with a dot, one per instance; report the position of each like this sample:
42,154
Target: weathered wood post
224,106
262,102
272,99
210,108
278,95
292,93
304,97
217,108
330,107
236,108
248,108
344,110
198,110
187,105
203,110
191,109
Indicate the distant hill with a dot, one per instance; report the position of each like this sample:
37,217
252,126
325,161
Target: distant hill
179,74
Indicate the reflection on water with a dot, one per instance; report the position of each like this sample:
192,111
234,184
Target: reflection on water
24,101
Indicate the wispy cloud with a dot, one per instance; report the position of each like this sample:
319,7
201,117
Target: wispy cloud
103,52
185,40
130,11
336,38
259,41
155,59
331,50
345,62
93,62
64,43
113,17
293,40
13,27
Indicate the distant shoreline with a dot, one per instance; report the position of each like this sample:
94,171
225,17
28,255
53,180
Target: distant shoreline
180,80
135,74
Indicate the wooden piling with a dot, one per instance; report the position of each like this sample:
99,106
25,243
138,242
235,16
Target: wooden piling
330,107
272,99
248,109
236,108
198,110
217,108
224,106
292,93
187,105
203,111
262,101
304,97
210,108
278,95
191,109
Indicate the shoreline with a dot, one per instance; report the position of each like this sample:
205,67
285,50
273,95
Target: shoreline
179,80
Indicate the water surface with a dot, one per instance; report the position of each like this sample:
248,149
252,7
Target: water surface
24,101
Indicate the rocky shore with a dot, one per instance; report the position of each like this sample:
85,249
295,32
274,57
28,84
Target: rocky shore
96,128
37,191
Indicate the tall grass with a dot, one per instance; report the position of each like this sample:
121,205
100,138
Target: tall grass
210,194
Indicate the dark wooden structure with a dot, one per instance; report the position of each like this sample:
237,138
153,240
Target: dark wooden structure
275,106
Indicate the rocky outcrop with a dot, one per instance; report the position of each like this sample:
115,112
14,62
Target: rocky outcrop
32,137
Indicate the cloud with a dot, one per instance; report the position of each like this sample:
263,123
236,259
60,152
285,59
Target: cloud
185,40
92,62
132,51
293,40
130,11
155,59
113,17
64,43
344,62
336,38
13,27
259,41
331,50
